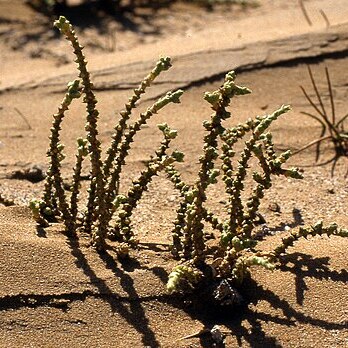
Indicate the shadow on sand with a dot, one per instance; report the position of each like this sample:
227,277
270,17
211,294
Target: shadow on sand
243,322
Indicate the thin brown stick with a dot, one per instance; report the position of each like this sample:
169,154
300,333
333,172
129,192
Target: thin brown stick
23,118
315,87
332,129
323,14
327,162
311,101
341,121
314,117
331,95
305,13
311,144
317,150
334,166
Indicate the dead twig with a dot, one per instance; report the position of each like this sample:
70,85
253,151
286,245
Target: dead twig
323,14
23,118
305,13
332,129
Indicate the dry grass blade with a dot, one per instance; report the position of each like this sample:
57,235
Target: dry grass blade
337,134
23,118
331,95
312,143
305,13
316,90
326,19
317,142
311,101
340,122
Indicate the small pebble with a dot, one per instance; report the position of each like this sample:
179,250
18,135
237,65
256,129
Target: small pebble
216,334
275,207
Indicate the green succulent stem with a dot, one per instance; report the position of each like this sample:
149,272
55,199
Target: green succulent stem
139,186
112,187
36,206
82,152
242,266
162,65
96,203
183,278
54,179
234,182
179,223
219,100
303,232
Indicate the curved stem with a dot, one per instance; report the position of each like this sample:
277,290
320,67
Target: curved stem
311,144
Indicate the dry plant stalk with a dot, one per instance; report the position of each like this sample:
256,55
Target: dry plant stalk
332,127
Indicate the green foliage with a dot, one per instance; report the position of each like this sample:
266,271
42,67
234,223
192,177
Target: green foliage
104,202
183,277
188,236
127,204
303,232
236,251
109,214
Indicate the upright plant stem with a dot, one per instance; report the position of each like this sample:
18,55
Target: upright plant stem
54,179
162,65
96,202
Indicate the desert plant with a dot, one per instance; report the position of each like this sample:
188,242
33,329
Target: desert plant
220,267
332,127
227,264
103,197
228,272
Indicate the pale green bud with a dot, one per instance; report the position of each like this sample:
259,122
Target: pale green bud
63,25
237,243
73,89
212,98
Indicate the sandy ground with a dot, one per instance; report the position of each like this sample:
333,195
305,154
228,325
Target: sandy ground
59,292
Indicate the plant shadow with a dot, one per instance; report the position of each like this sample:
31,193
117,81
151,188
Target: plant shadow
297,221
102,17
131,308
98,16
305,266
247,323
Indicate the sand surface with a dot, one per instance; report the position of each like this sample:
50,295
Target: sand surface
58,292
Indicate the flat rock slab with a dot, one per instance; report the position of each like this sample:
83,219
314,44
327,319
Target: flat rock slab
199,67
277,34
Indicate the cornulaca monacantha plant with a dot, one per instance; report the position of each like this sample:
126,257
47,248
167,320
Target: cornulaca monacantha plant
108,213
228,264
104,204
